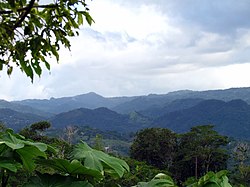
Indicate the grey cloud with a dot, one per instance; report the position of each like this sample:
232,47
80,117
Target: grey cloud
222,16
119,39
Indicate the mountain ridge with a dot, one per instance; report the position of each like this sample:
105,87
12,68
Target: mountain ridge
228,110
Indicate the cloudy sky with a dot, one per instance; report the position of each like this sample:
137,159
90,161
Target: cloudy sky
148,46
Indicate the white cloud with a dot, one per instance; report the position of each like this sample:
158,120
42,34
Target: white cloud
145,47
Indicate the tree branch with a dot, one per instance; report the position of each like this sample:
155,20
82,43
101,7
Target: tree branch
24,14
25,8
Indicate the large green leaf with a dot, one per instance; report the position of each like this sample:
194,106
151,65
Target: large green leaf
41,146
28,154
46,180
16,141
73,168
99,160
160,180
11,141
212,179
9,164
18,149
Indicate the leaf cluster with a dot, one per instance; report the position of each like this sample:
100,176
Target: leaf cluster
31,32
86,167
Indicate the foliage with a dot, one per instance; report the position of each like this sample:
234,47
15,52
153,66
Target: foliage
36,132
212,179
139,171
18,153
160,180
2,127
199,151
100,161
46,180
40,126
72,168
87,166
155,146
98,143
241,172
30,32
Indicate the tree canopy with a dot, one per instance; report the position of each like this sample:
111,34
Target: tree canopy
31,32
155,146
199,151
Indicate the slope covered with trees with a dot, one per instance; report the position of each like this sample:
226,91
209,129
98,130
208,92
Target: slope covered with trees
230,118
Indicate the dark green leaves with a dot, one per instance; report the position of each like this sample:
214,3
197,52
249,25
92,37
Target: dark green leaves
9,164
46,180
14,148
40,34
89,19
87,167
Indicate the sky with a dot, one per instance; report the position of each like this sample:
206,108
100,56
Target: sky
147,46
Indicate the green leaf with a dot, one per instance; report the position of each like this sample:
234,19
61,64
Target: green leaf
46,180
1,64
35,65
47,64
99,160
73,167
88,18
41,146
11,141
212,179
160,180
28,154
55,53
10,164
9,70
79,19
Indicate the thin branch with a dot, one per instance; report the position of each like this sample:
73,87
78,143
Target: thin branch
24,14
25,8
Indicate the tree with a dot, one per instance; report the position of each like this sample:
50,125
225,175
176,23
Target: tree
98,142
199,151
241,173
70,131
155,146
31,32
35,131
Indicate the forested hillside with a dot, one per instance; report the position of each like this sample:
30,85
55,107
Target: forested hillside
227,109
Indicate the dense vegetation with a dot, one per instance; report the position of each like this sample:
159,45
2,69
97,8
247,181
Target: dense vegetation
196,158
179,115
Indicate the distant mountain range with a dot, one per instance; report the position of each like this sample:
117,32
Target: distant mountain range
228,110
57,105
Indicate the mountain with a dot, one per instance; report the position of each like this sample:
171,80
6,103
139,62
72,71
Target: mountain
227,109
101,118
126,105
230,118
17,120
57,105
22,108
179,104
144,103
